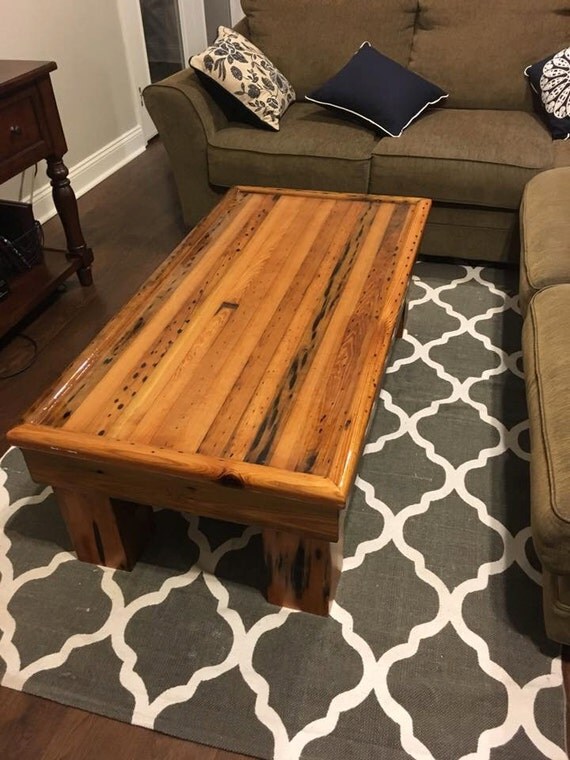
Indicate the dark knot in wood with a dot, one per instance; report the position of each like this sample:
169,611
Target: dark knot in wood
231,480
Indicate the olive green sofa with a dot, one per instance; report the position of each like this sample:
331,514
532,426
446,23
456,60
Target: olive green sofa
545,302
473,156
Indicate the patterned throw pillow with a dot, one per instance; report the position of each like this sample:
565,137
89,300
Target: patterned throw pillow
379,91
549,81
233,62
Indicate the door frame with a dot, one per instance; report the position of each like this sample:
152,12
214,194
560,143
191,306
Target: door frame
193,27
193,32
236,11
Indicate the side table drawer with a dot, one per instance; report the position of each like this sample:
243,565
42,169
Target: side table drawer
21,135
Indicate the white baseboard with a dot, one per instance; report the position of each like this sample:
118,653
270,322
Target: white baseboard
92,170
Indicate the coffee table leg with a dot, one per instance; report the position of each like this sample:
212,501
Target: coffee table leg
402,321
303,572
104,531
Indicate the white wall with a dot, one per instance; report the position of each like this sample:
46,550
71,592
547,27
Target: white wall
92,84
236,11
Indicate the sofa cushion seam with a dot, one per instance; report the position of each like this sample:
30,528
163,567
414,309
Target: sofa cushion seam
463,160
543,426
288,155
524,238
414,33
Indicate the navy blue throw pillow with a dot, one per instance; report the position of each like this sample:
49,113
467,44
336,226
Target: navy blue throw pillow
549,82
380,91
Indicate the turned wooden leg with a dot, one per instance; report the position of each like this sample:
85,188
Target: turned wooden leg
302,572
402,321
104,532
66,205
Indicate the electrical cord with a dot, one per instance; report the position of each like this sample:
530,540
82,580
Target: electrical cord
34,345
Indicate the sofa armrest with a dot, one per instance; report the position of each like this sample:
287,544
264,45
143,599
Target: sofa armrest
186,116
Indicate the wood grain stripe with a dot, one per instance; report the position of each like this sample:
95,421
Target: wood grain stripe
257,381
241,336
92,364
345,390
261,422
343,466
182,298
283,451
191,377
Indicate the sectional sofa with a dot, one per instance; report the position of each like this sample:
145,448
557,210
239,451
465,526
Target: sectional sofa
473,156
545,302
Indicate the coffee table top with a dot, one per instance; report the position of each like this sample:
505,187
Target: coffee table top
254,352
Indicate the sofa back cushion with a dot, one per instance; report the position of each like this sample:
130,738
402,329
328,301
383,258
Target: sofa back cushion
477,50
310,40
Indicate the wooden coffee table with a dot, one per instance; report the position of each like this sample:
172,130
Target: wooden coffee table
236,384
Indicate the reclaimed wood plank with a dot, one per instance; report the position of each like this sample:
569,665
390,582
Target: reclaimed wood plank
268,270
177,292
261,421
252,388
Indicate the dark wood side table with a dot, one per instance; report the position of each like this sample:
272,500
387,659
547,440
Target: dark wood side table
30,130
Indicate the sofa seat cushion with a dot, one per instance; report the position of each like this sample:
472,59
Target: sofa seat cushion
482,158
545,233
546,351
313,150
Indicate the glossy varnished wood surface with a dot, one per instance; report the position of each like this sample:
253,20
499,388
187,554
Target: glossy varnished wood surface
256,347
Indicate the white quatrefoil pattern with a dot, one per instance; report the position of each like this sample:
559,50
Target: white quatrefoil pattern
434,649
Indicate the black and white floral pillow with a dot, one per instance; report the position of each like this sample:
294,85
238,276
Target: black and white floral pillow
550,84
233,62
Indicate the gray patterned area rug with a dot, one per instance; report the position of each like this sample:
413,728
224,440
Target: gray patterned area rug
434,648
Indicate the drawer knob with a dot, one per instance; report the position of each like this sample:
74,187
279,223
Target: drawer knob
15,129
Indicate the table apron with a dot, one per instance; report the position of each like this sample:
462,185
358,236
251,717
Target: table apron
186,494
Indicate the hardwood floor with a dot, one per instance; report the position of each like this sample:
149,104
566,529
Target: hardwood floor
566,679
132,222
